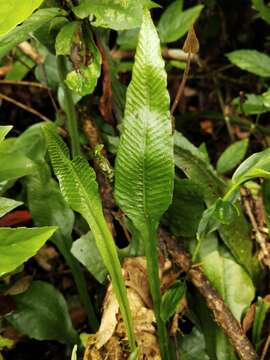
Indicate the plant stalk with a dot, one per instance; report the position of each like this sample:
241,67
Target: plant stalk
151,253
80,284
72,124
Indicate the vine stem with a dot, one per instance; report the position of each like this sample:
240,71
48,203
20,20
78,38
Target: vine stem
151,253
70,110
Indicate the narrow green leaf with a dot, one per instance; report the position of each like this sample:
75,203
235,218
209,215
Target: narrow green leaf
14,12
65,38
112,14
232,156
14,165
42,313
79,187
251,60
171,299
4,130
22,32
175,23
257,165
144,164
18,245
262,308
85,250
6,205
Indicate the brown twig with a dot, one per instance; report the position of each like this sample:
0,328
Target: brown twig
259,237
24,107
106,100
181,85
23,83
265,348
171,54
222,314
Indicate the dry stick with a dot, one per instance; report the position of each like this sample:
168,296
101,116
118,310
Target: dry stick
260,239
265,348
24,107
181,85
172,54
23,83
222,314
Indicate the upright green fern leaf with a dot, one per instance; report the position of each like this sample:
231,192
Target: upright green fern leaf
78,184
144,165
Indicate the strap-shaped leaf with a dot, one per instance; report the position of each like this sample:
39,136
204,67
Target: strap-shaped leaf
144,165
79,187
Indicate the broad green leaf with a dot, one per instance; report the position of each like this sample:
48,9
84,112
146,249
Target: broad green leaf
85,250
113,14
79,187
235,287
229,279
263,9
65,38
262,308
251,60
4,130
84,80
232,156
193,163
22,32
171,299
257,165
31,143
6,205
192,346
128,39
13,12
175,23
184,214
236,235
14,165
42,313
18,245
41,189
253,104
144,163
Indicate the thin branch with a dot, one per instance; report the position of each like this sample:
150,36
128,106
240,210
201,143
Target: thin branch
259,237
265,348
171,54
222,314
181,85
24,83
24,107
